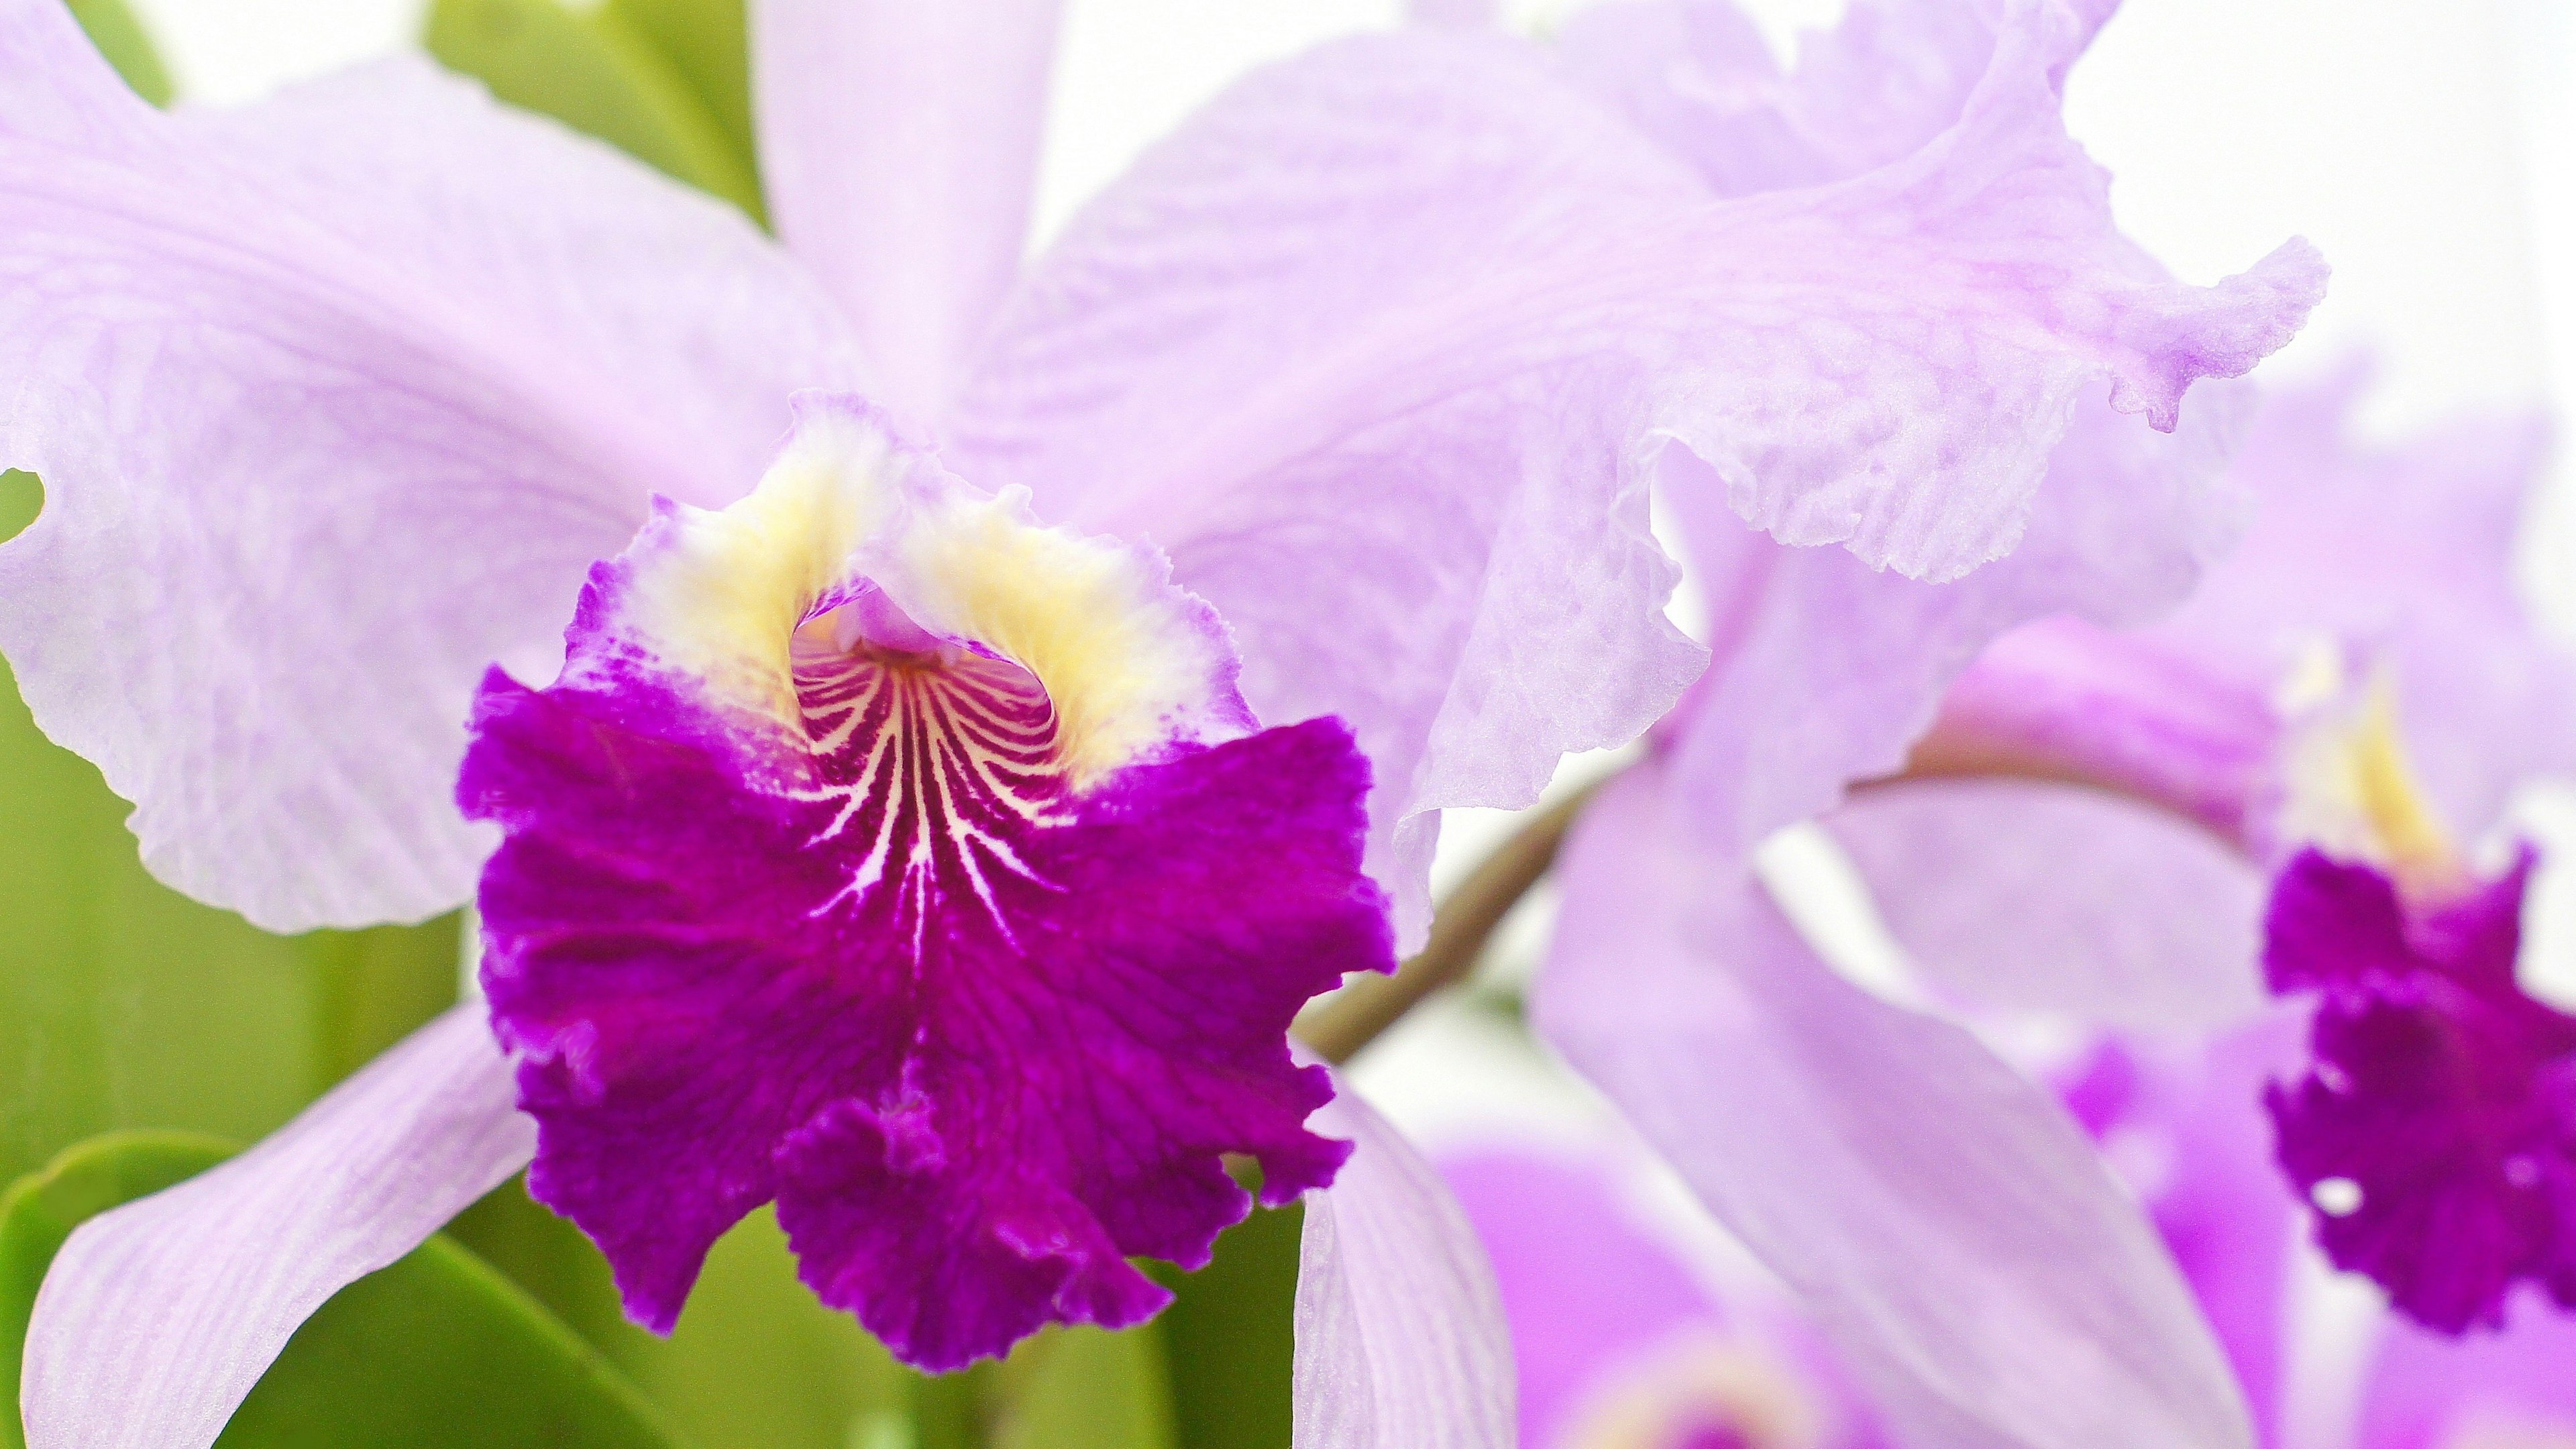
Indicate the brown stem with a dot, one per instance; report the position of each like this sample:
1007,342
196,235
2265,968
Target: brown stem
1353,1017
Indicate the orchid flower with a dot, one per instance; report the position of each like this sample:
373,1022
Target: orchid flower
2285,771
893,832
2196,1138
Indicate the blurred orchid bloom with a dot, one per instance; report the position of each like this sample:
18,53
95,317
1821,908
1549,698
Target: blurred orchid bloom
892,833
2285,770
2195,1140
1621,1339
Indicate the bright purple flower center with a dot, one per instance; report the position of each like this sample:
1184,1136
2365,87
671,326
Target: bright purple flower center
887,855
2435,1136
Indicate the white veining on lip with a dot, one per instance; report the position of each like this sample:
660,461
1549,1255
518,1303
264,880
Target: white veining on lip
938,762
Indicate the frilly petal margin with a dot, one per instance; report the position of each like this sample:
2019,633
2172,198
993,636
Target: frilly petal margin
898,146
1401,1342
1826,671
1951,1227
157,1318
334,398
1443,242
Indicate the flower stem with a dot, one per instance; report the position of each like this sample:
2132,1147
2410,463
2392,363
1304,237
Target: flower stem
1337,1027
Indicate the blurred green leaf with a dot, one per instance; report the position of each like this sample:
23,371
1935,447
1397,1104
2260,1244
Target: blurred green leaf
436,1350
119,37
704,41
597,72
1229,1336
755,1362
1085,1388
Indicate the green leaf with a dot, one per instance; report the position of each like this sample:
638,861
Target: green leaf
1085,1388
436,1350
755,1361
119,37
596,72
1230,1335
704,42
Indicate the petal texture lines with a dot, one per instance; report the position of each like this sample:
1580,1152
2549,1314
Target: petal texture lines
1954,1232
360,379
981,1018
158,1317
899,143
1401,1342
1458,288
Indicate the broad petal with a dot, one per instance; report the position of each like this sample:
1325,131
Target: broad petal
334,398
1446,266
898,143
886,853
158,1317
1401,1342
1951,1228
2026,896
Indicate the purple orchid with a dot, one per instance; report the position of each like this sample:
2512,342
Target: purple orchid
892,833
2191,1129
2350,689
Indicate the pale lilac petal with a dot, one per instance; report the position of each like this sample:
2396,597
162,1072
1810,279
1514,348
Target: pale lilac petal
1400,1336
2408,552
898,141
2028,896
1419,269
334,398
1701,79
157,1317
2188,1131
1951,1227
1826,671
2510,1390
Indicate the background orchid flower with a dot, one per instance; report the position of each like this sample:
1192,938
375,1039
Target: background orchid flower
2286,772
2188,1126
1622,1337
1379,350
